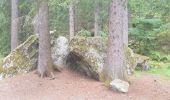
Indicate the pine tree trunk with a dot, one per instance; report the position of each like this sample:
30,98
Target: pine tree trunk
14,24
115,56
125,23
96,23
44,59
72,20
35,20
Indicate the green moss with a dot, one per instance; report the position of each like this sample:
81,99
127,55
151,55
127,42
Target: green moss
1,61
93,51
106,77
23,58
1,69
10,71
90,50
130,59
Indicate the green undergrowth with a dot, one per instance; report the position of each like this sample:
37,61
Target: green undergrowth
158,68
163,71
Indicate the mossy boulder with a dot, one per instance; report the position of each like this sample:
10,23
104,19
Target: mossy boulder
88,55
130,60
141,58
22,59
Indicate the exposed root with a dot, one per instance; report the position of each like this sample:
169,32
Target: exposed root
52,76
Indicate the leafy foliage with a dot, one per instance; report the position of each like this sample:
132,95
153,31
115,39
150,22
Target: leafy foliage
149,22
160,68
4,27
143,31
84,33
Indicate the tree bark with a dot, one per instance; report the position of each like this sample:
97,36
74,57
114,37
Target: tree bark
72,20
125,23
14,24
44,59
115,56
96,23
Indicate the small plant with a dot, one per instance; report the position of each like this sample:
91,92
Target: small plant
103,34
84,33
155,56
160,68
164,59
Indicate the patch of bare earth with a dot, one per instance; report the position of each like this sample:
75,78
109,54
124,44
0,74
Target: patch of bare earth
69,85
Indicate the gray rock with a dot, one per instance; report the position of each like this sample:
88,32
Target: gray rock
88,55
60,52
1,76
130,60
22,59
119,85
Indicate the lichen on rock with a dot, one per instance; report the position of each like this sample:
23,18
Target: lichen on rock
60,52
130,60
88,55
22,59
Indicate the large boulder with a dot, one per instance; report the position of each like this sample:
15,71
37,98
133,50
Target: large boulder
60,52
22,59
142,62
88,55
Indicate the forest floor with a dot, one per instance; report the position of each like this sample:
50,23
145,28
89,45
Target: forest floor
70,85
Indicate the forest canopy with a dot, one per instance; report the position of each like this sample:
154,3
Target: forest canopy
149,22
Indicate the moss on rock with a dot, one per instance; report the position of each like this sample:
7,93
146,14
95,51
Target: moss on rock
22,59
88,54
130,60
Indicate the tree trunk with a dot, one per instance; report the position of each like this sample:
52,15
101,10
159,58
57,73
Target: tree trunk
115,56
14,24
35,23
96,23
44,59
72,20
35,20
125,23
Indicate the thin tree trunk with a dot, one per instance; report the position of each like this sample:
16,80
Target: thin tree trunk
35,23
72,20
44,59
96,23
115,56
14,24
35,20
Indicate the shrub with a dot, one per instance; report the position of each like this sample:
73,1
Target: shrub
155,56
84,33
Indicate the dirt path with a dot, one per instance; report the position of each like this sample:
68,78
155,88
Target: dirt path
70,85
